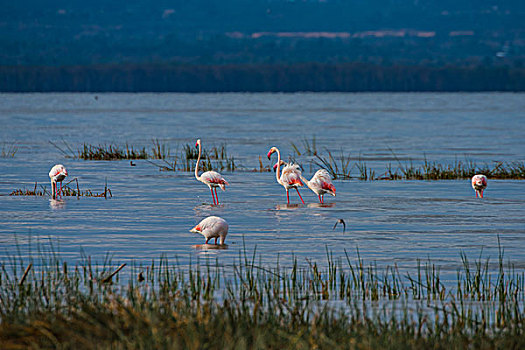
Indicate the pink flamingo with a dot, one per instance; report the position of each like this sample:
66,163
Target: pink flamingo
479,183
320,184
212,227
57,174
210,178
291,176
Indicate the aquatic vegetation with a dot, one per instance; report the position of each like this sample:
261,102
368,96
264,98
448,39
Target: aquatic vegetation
46,302
310,148
110,152
67,191
340,167
8,150
159,150
214,158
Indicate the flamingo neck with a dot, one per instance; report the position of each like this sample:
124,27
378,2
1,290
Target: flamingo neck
305,181
53,189
278,170
197,165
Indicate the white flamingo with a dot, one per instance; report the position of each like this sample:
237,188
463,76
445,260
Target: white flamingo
320,184
290,177
212,227
57,174
479,183
210,178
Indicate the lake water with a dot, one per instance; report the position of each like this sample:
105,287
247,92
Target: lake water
151,211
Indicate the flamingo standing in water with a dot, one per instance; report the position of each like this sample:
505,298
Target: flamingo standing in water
291,176
320,184
212,227
479,183
211,178
57,174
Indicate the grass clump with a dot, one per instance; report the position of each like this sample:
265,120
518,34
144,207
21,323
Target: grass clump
8,150
214,158
340,167
110,152
68,190
309,147
345,304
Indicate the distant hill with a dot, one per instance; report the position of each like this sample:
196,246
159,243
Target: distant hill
428,32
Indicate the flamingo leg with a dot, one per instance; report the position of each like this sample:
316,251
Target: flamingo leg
216,196
60,188
481,194
287,196
216,240
320,200
299,194
212,196
207,239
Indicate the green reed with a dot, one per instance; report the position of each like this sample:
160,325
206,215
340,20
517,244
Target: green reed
345,303
9,150
340,167
69,189
213,158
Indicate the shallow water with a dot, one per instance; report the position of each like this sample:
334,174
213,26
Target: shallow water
151,211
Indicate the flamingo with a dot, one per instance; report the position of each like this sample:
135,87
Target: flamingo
479,183
57,174
291,176
212,227
320,184
210,178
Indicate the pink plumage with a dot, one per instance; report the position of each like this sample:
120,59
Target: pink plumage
210,178
290,177
57,174
320,184
479,183
212,227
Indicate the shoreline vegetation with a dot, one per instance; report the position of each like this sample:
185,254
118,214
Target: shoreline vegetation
343,303
67,191
276,77
340,165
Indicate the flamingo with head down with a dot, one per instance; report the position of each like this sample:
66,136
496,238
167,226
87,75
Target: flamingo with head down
210,178
57,174
212,227
290,177
320,184
479,183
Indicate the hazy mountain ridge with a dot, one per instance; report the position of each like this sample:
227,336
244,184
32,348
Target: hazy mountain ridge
75,32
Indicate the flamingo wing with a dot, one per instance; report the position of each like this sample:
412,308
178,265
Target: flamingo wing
58,170
214,178
291,175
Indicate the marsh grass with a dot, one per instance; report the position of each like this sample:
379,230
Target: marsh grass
9,150
309,147
110,152
341,166
214,158
344,303
68,190
338,167
159,150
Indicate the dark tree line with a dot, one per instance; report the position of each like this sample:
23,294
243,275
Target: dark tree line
345,77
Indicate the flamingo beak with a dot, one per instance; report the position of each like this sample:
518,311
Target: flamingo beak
196,229
275,167
270,155
196,145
